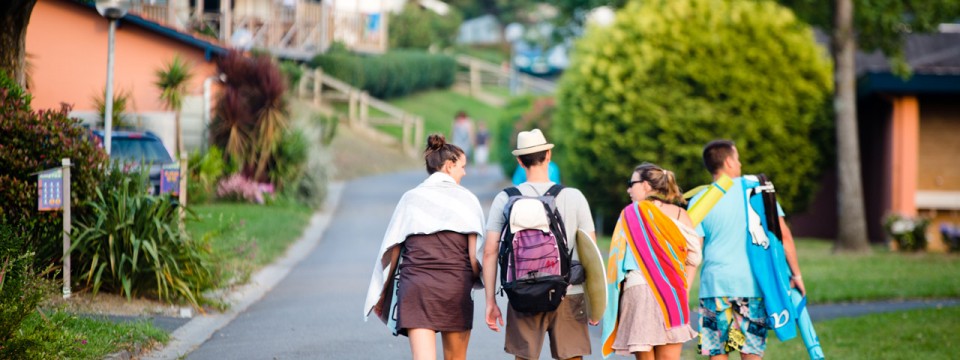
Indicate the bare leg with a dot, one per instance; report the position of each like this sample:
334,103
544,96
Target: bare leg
750,356
719,357
455,344
645,355
423,344
668,352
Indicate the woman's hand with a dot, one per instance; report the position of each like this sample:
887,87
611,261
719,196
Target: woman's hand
494,316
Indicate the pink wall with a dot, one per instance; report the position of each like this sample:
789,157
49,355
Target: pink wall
67,49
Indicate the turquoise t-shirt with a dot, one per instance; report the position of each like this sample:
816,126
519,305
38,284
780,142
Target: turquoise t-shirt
520,175
725,270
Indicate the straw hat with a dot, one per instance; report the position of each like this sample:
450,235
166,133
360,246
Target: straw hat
529,142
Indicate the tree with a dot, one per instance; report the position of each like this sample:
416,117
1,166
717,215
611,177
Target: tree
14,17
875,25
172,81
506,11
572,14
669,76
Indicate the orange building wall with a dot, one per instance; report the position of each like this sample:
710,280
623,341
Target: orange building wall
67,51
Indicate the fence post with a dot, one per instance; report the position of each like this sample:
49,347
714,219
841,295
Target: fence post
475,85
418,141
302,84
364,108
352,95
317,86
404,138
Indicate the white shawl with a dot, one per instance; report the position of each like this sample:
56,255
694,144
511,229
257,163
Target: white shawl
437,204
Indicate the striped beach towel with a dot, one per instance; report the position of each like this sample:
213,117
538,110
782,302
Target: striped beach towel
646,238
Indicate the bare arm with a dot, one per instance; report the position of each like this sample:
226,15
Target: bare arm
472,244
394,256
491,249
790,250
694,251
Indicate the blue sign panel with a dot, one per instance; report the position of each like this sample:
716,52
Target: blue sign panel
170,179
50,188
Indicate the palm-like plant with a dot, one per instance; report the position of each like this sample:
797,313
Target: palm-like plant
172,80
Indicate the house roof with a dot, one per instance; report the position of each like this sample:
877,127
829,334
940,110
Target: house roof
927,54
210,48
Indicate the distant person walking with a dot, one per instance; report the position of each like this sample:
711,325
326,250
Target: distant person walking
482,142
654,254
462,133
427,266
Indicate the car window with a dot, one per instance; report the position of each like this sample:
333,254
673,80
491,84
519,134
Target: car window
141,150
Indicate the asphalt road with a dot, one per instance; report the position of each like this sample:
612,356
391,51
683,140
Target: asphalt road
316,311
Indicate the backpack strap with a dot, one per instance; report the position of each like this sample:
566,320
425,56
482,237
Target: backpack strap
512,191
554,190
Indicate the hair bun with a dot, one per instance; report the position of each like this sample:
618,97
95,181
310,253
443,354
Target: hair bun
436,141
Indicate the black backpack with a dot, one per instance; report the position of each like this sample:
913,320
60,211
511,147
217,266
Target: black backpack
534,264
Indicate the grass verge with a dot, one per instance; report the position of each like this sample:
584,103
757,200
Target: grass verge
881,275
914,334
62,335
249,236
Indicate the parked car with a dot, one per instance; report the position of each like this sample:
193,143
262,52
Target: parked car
534,60
139,149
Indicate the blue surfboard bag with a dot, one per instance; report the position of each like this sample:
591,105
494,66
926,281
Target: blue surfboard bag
768,263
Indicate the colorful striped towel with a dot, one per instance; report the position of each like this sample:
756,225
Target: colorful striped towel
653,241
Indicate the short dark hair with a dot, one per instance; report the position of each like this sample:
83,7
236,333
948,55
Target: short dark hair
532,159
715,153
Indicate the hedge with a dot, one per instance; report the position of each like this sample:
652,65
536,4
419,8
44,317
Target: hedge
669,76
393,74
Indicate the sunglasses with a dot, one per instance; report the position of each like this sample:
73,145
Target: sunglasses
631,182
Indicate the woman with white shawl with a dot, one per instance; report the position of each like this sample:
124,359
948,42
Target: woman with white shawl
427,265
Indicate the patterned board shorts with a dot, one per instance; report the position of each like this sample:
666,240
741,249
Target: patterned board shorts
732,324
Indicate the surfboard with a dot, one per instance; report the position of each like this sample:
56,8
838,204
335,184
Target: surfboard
595,287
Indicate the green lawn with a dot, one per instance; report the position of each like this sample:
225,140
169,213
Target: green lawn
249,236
62,335
882,275
917,334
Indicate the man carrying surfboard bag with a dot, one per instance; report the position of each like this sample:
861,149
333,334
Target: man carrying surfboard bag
733,315
567,323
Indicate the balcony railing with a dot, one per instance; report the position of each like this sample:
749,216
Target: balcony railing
296,29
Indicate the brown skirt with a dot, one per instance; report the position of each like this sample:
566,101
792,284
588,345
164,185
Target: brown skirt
436,280
642,324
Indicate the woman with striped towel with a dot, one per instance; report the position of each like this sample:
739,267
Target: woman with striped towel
653,258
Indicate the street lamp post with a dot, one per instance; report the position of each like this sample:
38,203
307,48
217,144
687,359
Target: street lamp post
513,33
113,10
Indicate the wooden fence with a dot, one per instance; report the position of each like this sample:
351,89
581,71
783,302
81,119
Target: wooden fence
479,73
319,87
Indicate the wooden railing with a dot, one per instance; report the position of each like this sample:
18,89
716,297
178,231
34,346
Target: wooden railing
298,31
316,86
479,73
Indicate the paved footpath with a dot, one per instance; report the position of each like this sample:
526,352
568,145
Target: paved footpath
315,311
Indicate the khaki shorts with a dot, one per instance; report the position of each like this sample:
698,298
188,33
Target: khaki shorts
567,327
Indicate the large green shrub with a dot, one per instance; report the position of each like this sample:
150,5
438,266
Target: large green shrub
21,291
396,73
130,243
419,28
31,141
669,76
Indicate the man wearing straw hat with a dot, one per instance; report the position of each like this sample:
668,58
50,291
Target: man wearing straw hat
567,325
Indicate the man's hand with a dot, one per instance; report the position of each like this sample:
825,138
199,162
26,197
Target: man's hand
493,316
797,283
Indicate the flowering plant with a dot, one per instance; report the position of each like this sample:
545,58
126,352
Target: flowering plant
910,232
239,187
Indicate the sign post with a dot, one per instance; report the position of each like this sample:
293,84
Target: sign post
53,187
66,228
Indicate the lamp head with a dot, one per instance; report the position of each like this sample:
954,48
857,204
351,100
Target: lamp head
113,9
